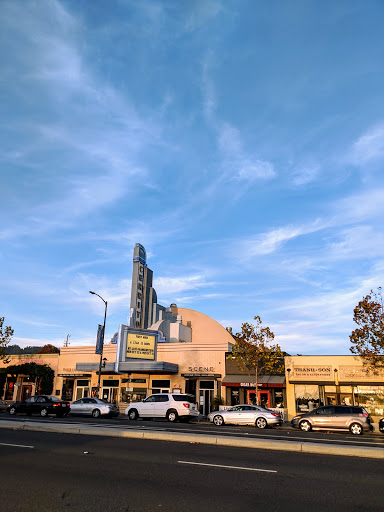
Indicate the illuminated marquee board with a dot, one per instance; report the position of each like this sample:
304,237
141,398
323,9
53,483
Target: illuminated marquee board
140,346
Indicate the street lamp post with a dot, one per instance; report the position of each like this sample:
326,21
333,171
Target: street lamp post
102,344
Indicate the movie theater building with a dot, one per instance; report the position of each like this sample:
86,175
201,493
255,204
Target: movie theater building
183,352
312,381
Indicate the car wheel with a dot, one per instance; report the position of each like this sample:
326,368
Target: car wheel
356,429
133,414
172,416
95,413
305,426
12,411
44,412
218,420
261,423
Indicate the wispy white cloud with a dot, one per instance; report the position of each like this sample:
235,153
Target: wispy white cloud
239,165
369,147
305,175
359,207
169,286
269,242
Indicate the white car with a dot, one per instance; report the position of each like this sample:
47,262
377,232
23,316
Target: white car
246,415
93,407
172,406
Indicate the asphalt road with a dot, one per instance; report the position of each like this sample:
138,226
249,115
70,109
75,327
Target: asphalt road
56,472
204,428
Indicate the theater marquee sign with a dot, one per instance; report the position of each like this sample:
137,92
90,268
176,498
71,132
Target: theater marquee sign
141,346
312,372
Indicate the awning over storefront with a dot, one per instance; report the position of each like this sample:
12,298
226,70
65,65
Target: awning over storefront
74,375
199,375
159,367
265,381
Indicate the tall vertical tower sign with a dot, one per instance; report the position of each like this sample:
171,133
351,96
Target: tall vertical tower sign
142,293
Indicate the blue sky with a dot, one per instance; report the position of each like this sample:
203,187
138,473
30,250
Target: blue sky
240,141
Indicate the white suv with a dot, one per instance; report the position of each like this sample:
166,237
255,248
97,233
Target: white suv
172,406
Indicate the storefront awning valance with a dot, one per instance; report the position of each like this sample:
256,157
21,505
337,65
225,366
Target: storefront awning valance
247,381
159,367
80,375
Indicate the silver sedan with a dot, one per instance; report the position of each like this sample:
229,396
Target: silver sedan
93,407
246,415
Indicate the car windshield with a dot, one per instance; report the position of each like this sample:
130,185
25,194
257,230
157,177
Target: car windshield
53,398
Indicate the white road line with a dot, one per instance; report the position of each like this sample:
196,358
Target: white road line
227,467
16,445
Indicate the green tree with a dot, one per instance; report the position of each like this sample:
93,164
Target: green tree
368,339
6,333
255,352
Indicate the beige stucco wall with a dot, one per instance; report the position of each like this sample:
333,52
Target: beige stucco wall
69,356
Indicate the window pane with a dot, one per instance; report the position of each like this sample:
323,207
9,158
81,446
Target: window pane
307,397
207,384
160,383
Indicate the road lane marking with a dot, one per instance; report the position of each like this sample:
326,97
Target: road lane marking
16,445
226,467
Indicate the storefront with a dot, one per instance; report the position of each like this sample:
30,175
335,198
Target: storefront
240,389
326,380
19,386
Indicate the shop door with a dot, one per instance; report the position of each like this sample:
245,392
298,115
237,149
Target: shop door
264,399
82,392
205,400
27,392
109,395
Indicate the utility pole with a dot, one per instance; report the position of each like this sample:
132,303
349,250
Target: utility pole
66,342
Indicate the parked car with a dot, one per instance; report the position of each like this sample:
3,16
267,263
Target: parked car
244,414
381,425
3,406
172,406
94,407
40,404
335,417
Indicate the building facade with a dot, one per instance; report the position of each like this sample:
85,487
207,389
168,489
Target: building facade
312,381
22,386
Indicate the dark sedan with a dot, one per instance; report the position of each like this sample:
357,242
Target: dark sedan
381,425
40,404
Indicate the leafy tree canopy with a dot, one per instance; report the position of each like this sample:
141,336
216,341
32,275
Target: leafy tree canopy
49,349
42,372
254,349
368,339
6,333
16,350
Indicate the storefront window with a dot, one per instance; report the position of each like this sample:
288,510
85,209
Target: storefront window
307,397
235,399
279,399
67,390
371,398
161,385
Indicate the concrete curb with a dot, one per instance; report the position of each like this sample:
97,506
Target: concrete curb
264,444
